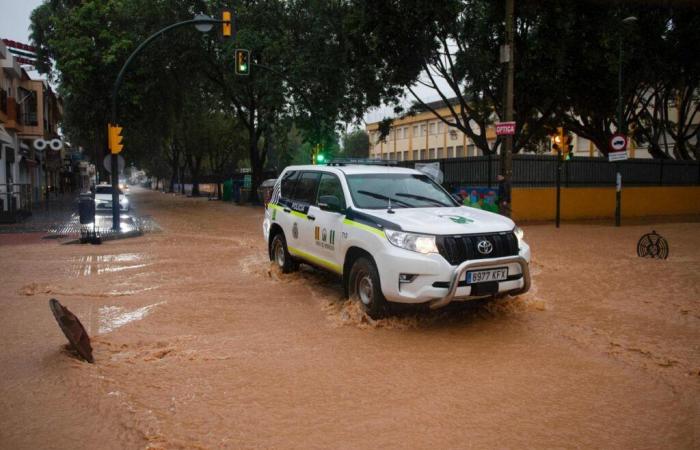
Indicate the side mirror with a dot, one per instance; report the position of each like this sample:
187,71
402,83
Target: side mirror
329,203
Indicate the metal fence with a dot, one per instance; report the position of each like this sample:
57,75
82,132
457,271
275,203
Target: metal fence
15,202
541,171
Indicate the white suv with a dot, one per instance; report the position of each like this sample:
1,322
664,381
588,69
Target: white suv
393,235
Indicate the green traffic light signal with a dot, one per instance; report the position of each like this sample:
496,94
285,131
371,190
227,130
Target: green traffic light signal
242,61
320,158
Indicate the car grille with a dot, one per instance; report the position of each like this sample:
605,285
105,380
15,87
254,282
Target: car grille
459,248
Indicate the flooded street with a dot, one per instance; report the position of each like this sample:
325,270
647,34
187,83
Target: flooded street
200,343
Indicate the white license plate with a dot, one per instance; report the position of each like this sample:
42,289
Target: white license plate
482,276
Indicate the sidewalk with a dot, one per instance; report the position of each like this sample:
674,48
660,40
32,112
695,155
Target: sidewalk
59,209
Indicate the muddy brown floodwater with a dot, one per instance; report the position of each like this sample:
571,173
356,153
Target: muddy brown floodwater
200,343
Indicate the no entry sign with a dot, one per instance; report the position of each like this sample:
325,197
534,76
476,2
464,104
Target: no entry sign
618,147
505,128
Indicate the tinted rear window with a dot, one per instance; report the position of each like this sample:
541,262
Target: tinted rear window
288,182
306,188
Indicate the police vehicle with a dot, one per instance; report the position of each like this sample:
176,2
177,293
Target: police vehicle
393,235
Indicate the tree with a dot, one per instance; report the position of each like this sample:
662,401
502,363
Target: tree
356,144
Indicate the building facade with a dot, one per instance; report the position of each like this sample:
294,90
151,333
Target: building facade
29,116
424,136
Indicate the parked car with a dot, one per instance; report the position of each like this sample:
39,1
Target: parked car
393,235
103,198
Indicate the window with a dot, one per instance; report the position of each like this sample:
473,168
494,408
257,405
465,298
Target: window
450,152
432,128
405,132
460,151
288,182
375,191
406,156
306,187
423,129
453,135
415,154
431,153
471,151
330,185
440,125
415,130
441,152
421,154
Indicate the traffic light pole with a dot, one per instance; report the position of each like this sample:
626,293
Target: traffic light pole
115,91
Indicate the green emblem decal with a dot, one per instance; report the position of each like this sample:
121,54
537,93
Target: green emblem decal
458,219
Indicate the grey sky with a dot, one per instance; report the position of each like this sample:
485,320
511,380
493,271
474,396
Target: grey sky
14,19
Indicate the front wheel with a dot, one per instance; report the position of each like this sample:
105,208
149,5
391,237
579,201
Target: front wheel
280,254
365,285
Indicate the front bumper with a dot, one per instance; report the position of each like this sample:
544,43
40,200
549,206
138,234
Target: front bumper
462,269
438,283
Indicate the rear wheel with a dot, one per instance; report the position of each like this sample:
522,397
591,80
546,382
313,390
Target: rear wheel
365,285
281,256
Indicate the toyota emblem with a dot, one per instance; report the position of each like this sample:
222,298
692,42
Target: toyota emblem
484,247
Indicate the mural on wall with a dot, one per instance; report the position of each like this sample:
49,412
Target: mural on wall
479,197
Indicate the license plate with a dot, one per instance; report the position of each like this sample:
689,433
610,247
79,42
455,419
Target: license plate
483,276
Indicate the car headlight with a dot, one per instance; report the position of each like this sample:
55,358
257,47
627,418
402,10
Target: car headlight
421,243
124,201
519,233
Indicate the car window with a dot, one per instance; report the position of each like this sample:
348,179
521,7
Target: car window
305,191
401,190
330,185
289,180
103,190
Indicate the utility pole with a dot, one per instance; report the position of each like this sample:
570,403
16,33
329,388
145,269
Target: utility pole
507,58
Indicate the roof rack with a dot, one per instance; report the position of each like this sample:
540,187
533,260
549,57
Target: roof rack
363,161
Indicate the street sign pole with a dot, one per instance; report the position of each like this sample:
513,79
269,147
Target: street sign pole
558,213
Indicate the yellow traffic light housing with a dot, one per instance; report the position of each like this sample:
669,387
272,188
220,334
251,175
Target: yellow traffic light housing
227,25
242,61
114,137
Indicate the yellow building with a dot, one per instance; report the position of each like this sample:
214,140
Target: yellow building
423,136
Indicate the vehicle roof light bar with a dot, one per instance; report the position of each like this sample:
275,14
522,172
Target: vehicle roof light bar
363,161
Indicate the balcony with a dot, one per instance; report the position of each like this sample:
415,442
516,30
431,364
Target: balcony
13,113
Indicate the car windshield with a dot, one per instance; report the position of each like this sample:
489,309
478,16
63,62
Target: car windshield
104,190
400,190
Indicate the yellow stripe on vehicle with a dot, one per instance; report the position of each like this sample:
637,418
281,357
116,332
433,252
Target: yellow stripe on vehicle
362,226
315,259
274,206
292,212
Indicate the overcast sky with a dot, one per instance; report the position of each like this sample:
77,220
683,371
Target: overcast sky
14,25
14,19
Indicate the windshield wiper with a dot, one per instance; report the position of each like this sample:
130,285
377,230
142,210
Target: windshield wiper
383,197
420,197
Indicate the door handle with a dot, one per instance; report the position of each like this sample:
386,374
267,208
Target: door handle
287,210
311,217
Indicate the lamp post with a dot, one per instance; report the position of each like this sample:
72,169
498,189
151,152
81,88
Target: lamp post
202,23
621,125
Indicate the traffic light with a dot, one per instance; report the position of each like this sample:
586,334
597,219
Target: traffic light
227,24
242,61
114,137
559,140
317,155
